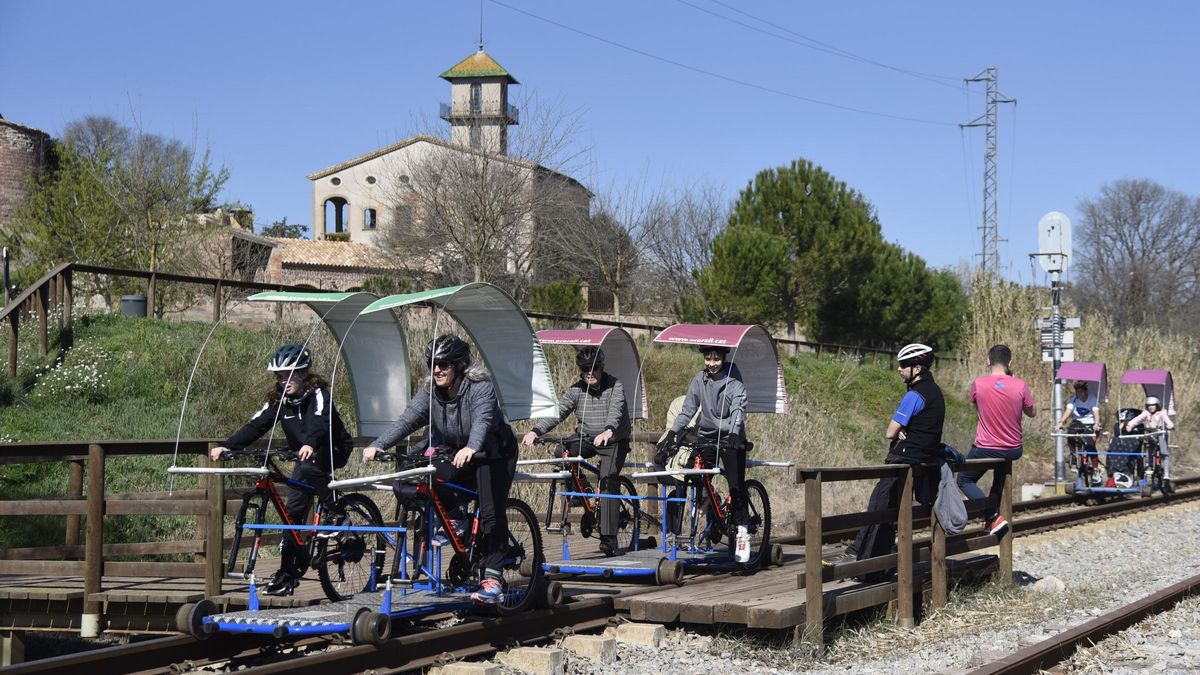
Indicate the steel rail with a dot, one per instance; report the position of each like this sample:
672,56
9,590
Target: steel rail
471,639
1047,653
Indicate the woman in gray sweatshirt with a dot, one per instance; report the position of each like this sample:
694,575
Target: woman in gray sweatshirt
472,442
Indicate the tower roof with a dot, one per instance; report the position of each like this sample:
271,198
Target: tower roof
478,64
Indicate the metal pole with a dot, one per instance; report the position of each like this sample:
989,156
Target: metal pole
1060,473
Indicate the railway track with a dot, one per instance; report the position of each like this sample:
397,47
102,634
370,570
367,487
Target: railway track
429,646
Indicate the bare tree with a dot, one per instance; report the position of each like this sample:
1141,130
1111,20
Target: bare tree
1138,256
465,214
682,243
608,248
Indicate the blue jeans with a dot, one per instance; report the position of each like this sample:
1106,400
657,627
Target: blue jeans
968,480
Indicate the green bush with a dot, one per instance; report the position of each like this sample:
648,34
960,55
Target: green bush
383,285
563,297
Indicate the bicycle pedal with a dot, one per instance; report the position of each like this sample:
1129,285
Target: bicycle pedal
326,535
554,528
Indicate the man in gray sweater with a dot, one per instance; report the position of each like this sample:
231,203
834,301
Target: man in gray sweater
603,428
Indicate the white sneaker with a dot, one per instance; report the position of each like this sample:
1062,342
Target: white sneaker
742,548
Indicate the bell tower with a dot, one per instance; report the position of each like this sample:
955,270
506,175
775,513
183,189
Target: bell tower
479,112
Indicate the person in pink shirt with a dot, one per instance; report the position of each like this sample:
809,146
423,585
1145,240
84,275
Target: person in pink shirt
1001,399
1155,419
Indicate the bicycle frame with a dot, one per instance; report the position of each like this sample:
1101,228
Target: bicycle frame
265,486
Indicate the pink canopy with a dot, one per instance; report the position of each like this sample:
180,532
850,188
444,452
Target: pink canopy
753,351
621,360
1154,383
1087,371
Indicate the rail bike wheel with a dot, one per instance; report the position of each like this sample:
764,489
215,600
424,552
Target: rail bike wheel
351,562
628,515
758,523
523,559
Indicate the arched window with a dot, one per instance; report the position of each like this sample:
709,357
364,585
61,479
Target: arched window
336,218
370,219
476,97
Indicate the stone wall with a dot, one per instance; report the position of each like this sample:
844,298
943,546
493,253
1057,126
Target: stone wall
22,155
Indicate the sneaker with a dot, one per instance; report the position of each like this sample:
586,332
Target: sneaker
489,593
997,526
281,584
461,526
840,559
741,549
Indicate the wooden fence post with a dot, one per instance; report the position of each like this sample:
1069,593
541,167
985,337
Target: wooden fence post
150,303
217,302
905,616
74,489
1006,511
13,332
214,539
40,297
937,562
94,544
814,596
68,297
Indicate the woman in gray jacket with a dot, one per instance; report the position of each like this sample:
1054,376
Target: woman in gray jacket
478,447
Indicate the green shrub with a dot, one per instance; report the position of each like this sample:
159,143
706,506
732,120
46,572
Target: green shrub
563,297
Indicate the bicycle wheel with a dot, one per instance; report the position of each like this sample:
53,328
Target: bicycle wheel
350,562
758,523
253,510
628,515
523,558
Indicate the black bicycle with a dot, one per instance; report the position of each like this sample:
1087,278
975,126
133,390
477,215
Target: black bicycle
574,453
346,562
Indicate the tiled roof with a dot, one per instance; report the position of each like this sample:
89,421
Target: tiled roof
478,64
330,253
317,175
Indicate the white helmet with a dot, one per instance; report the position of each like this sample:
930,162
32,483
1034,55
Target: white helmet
1122,480
1153,400
915,354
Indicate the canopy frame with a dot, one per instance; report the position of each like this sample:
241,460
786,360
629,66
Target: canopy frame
621,359
505,340
1154,383
752,350
378,380
1093,372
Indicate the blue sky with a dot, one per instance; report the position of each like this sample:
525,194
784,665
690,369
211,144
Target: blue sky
1106,90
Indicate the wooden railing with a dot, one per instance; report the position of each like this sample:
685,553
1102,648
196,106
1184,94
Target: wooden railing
908,549
55,291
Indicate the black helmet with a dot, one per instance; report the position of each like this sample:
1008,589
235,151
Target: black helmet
590,357
915,354
723,351
449,348
290,357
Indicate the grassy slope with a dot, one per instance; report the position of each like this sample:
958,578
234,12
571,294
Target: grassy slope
837,409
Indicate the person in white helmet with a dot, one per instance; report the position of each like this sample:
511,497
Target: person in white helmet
1156,419
914,433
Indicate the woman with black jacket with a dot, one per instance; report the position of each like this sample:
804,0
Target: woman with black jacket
300,402
466,423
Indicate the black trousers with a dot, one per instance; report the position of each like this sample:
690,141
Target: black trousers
880,538
491,479
733,463
292,557
612,459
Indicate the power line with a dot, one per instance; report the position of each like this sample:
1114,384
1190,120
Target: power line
816,45
715,75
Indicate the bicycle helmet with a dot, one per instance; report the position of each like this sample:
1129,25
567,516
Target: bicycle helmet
1153,400
1122,480
589,357
290,357
723,351
449,348
915,354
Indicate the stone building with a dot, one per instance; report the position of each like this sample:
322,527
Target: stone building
23,153
360,199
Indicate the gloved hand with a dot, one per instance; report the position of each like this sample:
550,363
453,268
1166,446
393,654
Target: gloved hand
665,447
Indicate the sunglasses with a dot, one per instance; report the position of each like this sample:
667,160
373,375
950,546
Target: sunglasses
285,375
442,365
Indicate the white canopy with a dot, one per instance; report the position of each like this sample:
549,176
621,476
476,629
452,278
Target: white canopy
505,340
374,353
